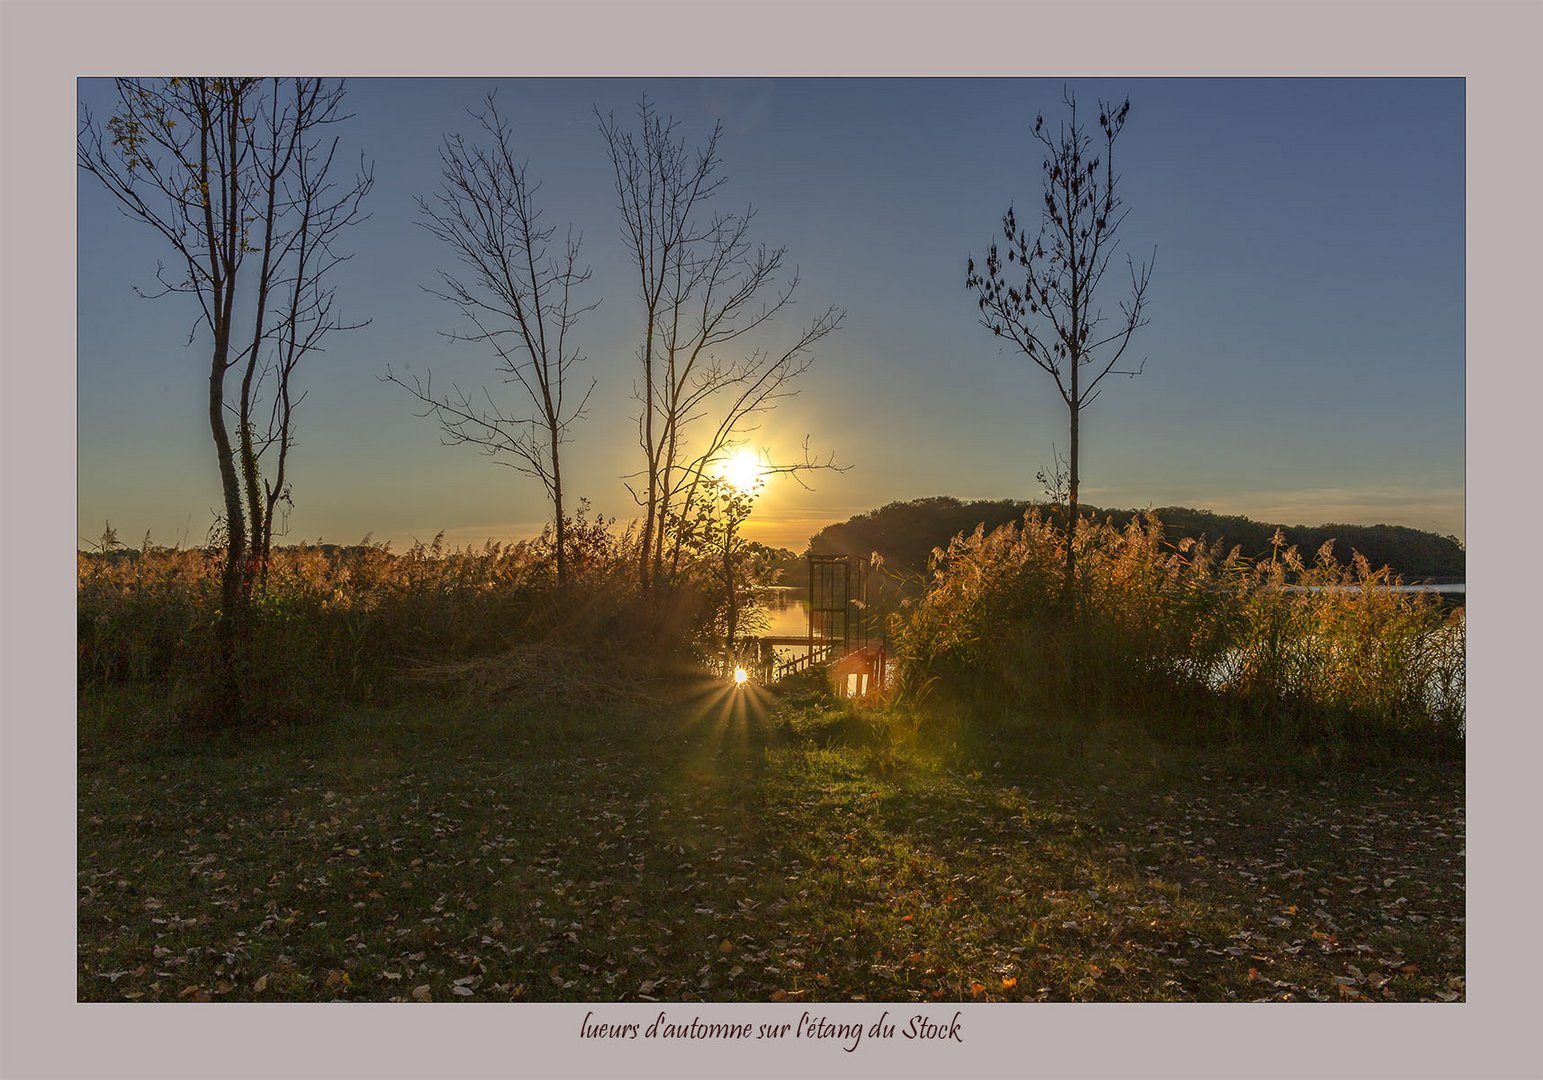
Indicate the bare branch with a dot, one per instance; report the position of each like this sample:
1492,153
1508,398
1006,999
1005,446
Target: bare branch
711,295
1040,291
520,299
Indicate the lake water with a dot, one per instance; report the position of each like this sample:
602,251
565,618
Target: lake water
787,608
788,612
1454,589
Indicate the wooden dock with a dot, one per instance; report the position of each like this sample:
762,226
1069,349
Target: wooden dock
817,653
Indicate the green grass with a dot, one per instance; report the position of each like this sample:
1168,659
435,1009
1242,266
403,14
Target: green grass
700,844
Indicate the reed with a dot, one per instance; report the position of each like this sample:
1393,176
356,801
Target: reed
333,626
1186,638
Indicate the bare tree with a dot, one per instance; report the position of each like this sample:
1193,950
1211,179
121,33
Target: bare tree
707,291
233,172
518,297
1050,307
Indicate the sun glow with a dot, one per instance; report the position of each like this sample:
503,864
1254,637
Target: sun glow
741,676
743,470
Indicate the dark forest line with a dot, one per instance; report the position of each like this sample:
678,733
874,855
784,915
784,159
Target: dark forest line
904,534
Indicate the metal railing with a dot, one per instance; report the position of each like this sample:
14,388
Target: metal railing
816,654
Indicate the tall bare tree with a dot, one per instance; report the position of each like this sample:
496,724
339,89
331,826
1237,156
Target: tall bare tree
237,177
519,298
1043,290
708,291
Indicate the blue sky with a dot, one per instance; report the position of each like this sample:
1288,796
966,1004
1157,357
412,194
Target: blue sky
1304,361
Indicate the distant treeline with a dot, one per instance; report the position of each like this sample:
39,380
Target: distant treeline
904,534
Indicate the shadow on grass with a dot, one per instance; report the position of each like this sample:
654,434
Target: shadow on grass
714,843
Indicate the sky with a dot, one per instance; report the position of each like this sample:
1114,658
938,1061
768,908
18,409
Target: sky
1304,361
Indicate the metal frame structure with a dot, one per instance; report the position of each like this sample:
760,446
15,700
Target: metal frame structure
838,634
830,601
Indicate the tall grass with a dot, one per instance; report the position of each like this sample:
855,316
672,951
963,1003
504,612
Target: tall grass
1186,638
331,625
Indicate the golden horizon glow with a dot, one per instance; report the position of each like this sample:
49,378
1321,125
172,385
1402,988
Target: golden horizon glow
743,470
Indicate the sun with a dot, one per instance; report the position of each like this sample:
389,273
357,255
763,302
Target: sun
743,470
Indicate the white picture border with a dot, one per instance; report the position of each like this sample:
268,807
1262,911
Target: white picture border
45,47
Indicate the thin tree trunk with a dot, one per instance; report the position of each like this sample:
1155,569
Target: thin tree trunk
232,597
1074,402
1070,584
646,548
732,616
557,508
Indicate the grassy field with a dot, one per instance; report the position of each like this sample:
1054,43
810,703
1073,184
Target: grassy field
684,841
